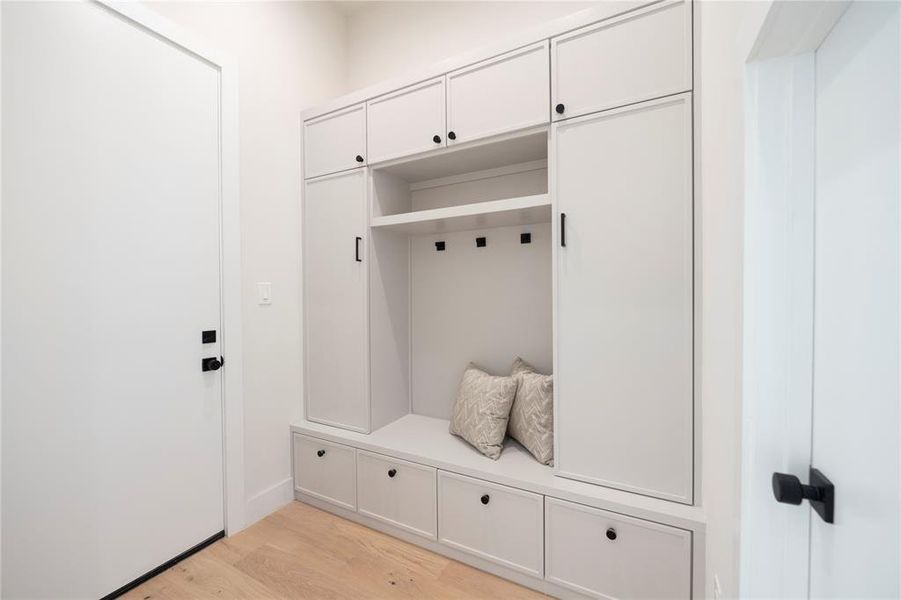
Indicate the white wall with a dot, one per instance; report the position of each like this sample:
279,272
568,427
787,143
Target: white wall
387,39
290,56
727,31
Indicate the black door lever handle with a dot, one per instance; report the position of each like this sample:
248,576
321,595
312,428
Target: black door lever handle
212,364
788,489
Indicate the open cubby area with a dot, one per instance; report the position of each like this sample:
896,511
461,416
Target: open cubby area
484,304
460,271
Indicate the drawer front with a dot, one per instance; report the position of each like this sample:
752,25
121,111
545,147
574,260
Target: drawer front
397,492
495,522
325,470
499,95
333,142
639,56
406,122
643,560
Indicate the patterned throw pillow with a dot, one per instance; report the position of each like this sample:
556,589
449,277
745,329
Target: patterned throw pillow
481,410
532,415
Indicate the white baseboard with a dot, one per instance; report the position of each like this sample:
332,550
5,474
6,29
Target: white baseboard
269,500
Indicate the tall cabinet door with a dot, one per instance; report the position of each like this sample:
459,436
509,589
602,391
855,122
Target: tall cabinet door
335,284
624,298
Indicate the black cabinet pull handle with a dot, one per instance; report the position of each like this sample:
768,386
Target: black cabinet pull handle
437,139
320,453
359,158
451,135
563,230
357,241
559,108
485,498
392,472
611,534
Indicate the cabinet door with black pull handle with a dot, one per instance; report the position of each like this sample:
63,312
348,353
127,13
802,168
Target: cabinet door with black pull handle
335,276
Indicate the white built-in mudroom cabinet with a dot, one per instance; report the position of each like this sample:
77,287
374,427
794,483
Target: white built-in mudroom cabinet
534,200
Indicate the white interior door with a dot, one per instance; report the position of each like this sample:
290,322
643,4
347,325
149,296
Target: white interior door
856,305
112,434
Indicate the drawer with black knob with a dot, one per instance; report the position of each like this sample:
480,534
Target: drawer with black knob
609,555
325,470
397,492
497,523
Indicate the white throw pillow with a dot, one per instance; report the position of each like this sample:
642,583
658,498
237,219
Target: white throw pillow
481,410
532,415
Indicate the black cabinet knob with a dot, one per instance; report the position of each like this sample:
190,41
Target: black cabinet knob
611,533
451,135
437,139
392,472
320,453
485,498
359,158
559,108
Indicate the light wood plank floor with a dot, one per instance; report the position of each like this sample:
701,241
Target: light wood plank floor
303,552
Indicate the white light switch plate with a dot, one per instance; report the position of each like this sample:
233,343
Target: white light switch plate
264,292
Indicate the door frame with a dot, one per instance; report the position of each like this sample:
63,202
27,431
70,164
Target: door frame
229,248
778,289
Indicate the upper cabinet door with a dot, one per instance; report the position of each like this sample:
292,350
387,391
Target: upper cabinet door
407,121
623,379
335,142
503,94
639,56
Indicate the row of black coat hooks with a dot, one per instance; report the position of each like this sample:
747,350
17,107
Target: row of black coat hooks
481,242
